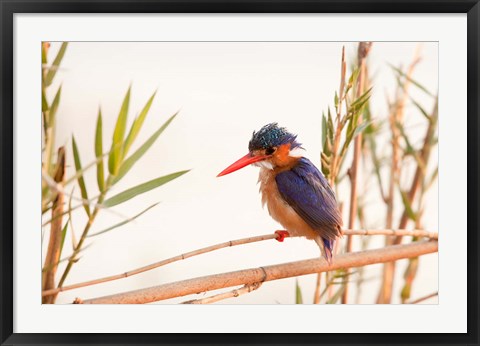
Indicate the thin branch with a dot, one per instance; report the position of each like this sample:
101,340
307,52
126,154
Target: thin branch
419,173
419,300
267,273
363,50
415,233
317,295
399,232
396,117
230,294
55,241
163,262
389,268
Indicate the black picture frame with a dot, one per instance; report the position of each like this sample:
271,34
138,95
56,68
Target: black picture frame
10,7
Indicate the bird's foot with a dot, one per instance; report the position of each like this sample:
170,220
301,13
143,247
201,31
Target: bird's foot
281,235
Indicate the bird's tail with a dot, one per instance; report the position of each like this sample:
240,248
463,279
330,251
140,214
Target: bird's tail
326,248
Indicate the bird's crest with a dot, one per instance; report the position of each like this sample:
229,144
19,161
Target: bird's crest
272,135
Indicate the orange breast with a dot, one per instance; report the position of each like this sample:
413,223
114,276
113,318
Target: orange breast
279,209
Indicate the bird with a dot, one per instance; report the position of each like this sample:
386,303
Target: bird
296,193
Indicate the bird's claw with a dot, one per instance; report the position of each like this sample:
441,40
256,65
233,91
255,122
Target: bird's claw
281,235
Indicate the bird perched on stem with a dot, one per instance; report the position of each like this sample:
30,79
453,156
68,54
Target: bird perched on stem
296,193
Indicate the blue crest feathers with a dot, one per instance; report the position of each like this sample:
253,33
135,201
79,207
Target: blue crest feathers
272,135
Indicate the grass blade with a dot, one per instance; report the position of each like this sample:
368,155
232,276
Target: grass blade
414,82
137,125
361,100
84,169
324,131
362,127
116,152
122,223
408,206
45,46
99,153
72,231
49,118
421,109
336,296
353,78
432,179
409,276
410,150
130,161
54,107
81,181
64,232
330,130
70,258
56,63
44,101
298,293
142,188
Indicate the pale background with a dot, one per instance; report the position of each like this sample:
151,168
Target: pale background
224,91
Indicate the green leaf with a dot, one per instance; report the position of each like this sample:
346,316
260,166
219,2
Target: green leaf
70,210
137,125
414,82
298,293
69,220
44,52
123,222
421,109
64,232
70,258
374,126
336,296
361,128
324,131
355,109
116,152
84,169
325,161
349,134
81,181
54,107
361,100
432,179
331,130
408,207
335,100
409,276
376,161
99,152
410,150
142,188
130,161
56,63
342,273
44,101
353,78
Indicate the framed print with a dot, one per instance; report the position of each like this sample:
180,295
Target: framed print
242,172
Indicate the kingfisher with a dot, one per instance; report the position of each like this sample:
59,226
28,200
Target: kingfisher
296,193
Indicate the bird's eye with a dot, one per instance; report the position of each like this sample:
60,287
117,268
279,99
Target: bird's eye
270,151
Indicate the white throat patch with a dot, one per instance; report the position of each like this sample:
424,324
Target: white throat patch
263,164
297,152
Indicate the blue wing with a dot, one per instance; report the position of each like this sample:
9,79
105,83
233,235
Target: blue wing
307,191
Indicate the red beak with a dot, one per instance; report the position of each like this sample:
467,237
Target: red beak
244,161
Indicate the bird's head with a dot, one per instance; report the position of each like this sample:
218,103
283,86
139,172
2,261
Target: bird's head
271,147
